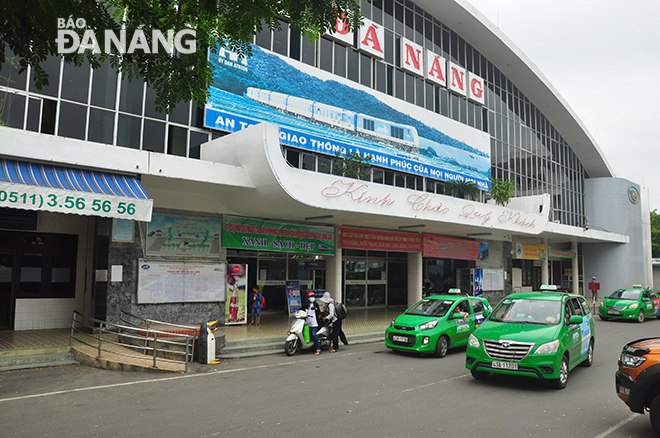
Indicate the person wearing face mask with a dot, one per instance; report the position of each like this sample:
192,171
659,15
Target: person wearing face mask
313,310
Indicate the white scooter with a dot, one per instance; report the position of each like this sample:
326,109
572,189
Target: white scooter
296,340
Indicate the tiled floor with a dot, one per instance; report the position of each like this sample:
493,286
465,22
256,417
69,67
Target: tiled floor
273,325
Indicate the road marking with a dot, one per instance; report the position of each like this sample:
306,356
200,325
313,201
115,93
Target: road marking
165,379
616,426
435,383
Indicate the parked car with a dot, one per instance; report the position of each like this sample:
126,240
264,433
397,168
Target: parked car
633,303
437,323
638,378
542,335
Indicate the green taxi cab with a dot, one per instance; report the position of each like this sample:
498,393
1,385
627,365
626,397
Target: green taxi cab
437,323
542,335
632,303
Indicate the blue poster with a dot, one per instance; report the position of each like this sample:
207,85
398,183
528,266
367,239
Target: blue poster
321,112
293,296
478,282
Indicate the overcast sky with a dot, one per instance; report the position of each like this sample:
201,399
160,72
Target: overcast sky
603,56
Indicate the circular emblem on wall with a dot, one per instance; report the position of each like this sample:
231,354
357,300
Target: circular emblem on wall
633,194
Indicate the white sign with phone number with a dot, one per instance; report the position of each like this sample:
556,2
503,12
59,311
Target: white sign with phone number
39,198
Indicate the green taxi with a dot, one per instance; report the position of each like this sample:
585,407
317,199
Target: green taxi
633,303
437,323
542,335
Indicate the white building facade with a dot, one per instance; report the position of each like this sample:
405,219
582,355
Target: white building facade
108,205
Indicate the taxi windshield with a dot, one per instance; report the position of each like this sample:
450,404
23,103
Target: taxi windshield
526,311
626,294
430,308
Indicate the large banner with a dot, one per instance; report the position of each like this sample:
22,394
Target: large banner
530,252
452,248
236,306
253,234
376,240
163,281
183,236
328,114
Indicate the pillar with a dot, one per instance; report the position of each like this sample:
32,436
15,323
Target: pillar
415,280
333,275
576,273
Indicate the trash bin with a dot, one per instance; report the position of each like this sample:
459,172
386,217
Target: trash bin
205,344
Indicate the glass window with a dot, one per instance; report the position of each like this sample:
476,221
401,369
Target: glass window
73,120
101,126
340,60
10,72
130,99
325,165
293,158
365,70
104,86
34,114
309,162
31,273
154,136
280,39
75,82
308,52
48,111
51,67
355,269
150,105
128,131
353,65
196,139
263,37
180,113
14,111
177,141
294,44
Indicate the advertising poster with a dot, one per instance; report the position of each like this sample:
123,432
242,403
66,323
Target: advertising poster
376,240
236,305
253,234
530,252
171,235
478,282
293,296
162,281
328,114
451,248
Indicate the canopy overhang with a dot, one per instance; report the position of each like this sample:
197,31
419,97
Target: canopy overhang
46,187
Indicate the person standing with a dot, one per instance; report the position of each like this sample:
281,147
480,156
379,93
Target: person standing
257,299
312,309
335,321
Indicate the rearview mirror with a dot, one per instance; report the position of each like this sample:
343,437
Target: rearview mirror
575,319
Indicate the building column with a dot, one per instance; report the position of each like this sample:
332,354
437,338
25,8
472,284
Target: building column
333,271
545,272
415,280
576,273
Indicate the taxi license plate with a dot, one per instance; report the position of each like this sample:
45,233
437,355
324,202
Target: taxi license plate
396,338
612,312
505,365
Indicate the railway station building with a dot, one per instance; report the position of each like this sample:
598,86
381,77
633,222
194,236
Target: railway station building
343,164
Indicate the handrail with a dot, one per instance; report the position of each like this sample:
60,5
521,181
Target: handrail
86,330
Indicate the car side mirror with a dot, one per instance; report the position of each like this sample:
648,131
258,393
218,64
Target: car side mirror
457,315
575,319
486,313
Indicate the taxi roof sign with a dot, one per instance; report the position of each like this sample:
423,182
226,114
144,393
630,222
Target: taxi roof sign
454,291
548,287
638,286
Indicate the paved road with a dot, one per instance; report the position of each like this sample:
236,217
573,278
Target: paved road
361,391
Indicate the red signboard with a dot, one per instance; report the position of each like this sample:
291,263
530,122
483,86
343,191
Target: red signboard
449,248
356,238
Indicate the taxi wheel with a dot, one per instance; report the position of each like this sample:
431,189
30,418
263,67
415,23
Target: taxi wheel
640,316
590,355
561,382
655,414
442,346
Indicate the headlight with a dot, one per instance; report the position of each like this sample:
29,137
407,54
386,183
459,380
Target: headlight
628,360
473,341
428,325
548,348
392,322
633,306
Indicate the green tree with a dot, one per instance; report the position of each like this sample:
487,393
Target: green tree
502,191
462,189
30,30
655,234
353,165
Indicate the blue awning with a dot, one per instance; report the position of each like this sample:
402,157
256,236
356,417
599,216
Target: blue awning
46,187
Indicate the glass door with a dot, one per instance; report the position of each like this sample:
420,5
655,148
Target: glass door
6,296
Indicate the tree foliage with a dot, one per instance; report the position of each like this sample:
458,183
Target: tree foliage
30,28
502,191
353,165
462,189
655,234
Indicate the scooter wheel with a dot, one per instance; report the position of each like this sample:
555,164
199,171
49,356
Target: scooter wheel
290,348
325,344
